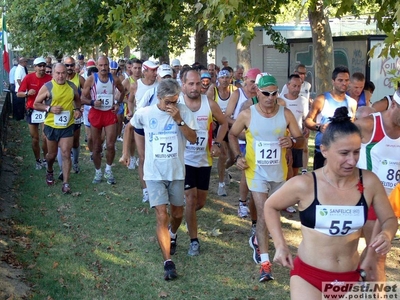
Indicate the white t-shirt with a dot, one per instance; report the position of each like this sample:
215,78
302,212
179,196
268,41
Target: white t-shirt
19,74
299,108
164,142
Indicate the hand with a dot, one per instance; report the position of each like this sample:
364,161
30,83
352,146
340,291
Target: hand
97,103
381,243
173,111
241,163
77,114
283,257
115,108
215,151
56,109
125,160
285,142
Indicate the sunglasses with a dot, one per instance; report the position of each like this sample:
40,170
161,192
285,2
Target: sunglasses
41,65
49,72
69,65
267,94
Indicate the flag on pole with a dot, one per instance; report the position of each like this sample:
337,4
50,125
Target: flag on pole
6,58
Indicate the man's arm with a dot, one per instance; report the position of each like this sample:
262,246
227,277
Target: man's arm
380,105
298,139
86,97
316,108
231,107
120,88
42,95
240,124
131,99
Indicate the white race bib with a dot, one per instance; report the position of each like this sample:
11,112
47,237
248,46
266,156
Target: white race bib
165,146
338,220
107,101
268,153
389,173
62,119
201,142
38,116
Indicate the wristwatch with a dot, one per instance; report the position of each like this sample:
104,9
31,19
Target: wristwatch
317,127
181,123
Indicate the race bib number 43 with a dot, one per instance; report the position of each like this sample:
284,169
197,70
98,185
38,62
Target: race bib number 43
62,119
268,153
165,146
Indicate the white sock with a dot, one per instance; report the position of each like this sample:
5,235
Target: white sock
222,184
98,171
145,191
172,235
264,257
108,168
166,261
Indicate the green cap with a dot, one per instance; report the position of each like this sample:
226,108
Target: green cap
266,80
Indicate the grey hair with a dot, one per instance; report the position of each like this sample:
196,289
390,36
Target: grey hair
167,88
239,67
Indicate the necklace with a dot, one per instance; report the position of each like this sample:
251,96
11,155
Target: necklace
341,189
266,113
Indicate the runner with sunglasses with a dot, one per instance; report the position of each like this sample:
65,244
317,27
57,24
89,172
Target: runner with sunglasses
265,125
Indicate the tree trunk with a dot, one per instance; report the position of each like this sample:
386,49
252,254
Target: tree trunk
127,52
323,46
201,38
243,56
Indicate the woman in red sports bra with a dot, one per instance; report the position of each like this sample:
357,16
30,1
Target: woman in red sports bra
333,203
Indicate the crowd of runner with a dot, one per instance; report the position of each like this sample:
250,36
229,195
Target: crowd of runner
176,121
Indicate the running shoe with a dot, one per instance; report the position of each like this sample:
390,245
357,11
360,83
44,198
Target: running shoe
194,249
44,163
242,210
66,188
266,272
38,165
290,209
256,251
227,178
221,189
50,178
304,171
110,177
97,177
76,168
145,197
132,163
170,271
120,139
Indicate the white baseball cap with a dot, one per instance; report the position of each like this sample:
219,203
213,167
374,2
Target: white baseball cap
175,62
149,65
164,70
39,60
